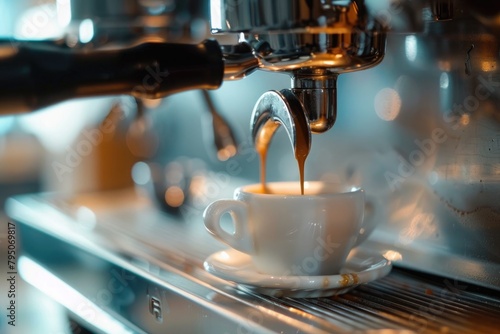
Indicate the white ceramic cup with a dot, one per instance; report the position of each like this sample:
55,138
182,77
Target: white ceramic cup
287,233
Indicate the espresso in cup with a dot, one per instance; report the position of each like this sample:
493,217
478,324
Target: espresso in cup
287,233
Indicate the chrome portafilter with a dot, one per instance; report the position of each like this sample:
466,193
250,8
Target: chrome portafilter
313,42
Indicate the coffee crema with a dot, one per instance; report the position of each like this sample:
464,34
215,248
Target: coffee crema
258,189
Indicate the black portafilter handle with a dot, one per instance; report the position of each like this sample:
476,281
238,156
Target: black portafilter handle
34,75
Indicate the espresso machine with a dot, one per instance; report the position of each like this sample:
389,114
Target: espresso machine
397,97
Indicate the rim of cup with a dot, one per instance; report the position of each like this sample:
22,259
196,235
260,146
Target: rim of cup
292,189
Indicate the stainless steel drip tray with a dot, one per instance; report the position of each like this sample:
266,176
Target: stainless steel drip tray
116,256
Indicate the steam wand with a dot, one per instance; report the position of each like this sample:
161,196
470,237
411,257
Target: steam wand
224,139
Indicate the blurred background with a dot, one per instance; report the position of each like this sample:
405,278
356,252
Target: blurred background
21,167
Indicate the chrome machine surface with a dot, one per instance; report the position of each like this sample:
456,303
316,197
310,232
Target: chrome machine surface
398,97
139,271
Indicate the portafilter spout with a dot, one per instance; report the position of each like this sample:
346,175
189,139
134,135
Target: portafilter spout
275,109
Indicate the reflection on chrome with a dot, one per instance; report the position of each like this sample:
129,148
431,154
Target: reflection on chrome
68,297
393,255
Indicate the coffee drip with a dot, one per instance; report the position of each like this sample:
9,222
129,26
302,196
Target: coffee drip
275,109
301,161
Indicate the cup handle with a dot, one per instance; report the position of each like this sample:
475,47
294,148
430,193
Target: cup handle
241,239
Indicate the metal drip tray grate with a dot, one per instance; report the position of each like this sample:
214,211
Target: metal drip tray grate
408,301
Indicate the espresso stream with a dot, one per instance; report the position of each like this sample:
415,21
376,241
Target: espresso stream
299,156
300,138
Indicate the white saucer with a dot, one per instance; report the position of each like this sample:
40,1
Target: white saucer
361,267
